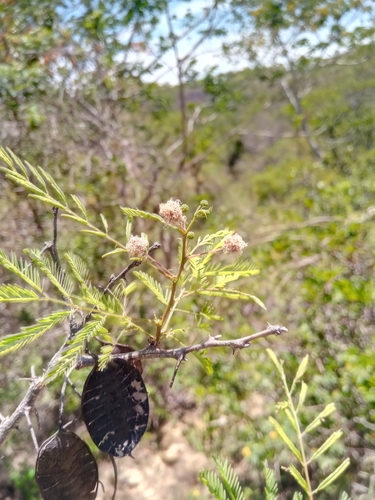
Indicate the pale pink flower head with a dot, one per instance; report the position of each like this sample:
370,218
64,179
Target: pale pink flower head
137,247
233,244
172,212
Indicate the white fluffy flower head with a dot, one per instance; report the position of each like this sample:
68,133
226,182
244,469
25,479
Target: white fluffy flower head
137,247
171,212
233,244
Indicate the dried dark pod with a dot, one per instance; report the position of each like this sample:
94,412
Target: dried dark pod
66,468
115,407
122,349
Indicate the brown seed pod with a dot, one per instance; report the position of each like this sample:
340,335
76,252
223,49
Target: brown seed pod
66,468
115,407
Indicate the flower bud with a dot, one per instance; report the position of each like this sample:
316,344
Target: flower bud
191,235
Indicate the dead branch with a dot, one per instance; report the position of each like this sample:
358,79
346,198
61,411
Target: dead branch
9,423
179,354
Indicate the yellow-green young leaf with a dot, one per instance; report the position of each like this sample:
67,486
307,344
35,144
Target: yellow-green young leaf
15,160
302,395
96,233
206,362
240,268
322,415
14,293
297,476
37,172
28,334
21,269
297,495
22,181
75,346
48,200
130,288
76,218
285,438
152,284
79,204
133,212
128,228
6,159
300,372
282,405
106,337
275,361
54,186
114,252
105,223
325,446
332,477
78,267
57,277
291,419
232,294
106,352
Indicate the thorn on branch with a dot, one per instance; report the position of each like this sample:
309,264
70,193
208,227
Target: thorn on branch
180,359
31,428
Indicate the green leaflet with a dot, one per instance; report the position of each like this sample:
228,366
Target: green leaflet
270,489
114,252
213,483
325,446
333,476
75,346
230,479
80,205
297,496
298,477
285,438
300,372
51,181
322,415
205,361
198,269
105,223
152,284
241,267
37,172
232,294
14,293
21,269
133,212
56,276
78,266
11,343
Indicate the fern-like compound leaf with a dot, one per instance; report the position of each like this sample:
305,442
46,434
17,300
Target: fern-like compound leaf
28,334
270,489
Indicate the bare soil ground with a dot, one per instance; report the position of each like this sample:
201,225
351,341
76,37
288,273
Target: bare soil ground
168,471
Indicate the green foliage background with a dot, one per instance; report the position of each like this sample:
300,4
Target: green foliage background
110,136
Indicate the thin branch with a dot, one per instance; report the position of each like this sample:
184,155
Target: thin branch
28,401
31,428
113,280
10,423
153,351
